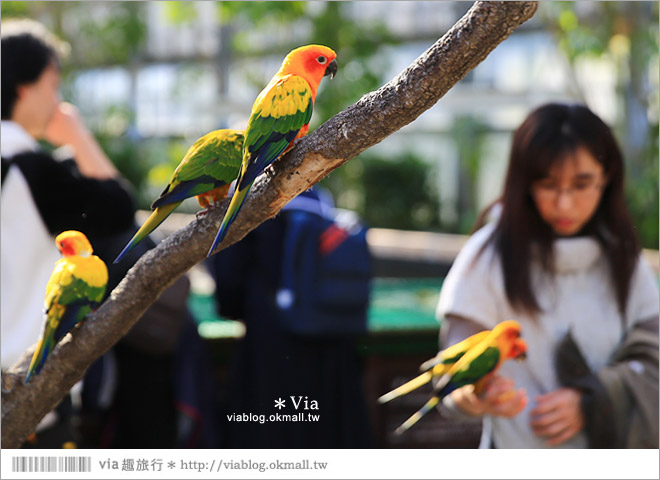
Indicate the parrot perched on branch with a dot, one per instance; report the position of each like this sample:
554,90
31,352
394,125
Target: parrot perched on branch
472,361
76,287
206,171
280,115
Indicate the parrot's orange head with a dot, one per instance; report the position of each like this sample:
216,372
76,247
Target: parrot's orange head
508,336
313,62
72,243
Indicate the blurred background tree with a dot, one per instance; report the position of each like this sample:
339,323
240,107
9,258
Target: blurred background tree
150,77
621,33
398,192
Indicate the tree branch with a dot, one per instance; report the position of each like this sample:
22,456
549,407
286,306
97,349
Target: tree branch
365,123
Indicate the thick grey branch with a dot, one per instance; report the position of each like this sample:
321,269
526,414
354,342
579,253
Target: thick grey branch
374,117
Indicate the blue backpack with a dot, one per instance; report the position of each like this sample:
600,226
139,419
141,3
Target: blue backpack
326,274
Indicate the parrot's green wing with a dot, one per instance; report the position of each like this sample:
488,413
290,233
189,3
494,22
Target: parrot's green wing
79,290
79,287
477,368
452,354
214,160
278,114
217,154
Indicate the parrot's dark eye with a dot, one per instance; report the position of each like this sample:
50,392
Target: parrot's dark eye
322,60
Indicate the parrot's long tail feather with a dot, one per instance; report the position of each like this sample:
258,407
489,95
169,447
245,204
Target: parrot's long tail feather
429,364
232,211
39,358
156,218
428,406
407,387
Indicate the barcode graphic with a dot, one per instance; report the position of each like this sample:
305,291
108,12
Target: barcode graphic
51,464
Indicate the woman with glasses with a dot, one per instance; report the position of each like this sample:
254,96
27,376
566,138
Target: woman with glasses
559,253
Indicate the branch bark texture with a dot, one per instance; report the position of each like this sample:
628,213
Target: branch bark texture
374,117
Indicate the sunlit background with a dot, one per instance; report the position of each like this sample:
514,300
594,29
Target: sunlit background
150,77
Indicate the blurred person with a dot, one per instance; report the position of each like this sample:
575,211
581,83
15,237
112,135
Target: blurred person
128,396
559,254
292,351
42,196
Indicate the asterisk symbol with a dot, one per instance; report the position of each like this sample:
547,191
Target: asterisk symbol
171,464
279,403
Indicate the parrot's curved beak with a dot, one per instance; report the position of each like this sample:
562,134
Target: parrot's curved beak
331,69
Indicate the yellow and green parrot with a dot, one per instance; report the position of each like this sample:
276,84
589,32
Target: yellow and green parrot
280,115
436,367
206,171
76,287
472,361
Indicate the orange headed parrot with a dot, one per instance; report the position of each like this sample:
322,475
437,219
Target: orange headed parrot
436,367
474,366
206,171
280,115
76,287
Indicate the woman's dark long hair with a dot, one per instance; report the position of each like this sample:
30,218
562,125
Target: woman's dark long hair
546,136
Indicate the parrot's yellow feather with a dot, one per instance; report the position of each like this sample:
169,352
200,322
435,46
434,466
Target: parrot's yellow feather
287,96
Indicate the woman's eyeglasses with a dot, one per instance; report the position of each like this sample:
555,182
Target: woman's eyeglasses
549,191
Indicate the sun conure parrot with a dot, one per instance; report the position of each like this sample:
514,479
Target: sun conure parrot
76,287
436,367
280,115
206,171
475,366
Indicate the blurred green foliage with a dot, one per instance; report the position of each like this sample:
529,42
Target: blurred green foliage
398,192
260,14
388,192
468,133
114,36
361,54
17,9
